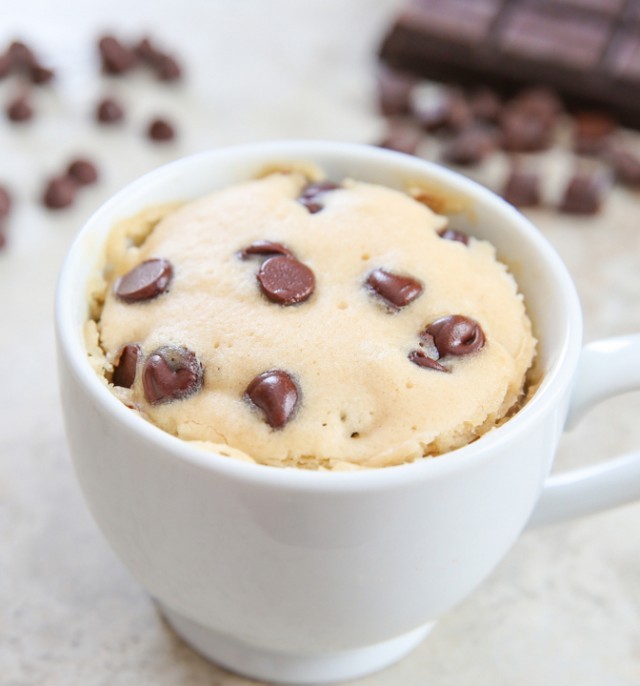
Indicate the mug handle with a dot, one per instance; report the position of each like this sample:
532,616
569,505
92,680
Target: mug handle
606,368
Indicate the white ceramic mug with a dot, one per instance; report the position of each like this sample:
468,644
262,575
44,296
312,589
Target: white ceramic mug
299,576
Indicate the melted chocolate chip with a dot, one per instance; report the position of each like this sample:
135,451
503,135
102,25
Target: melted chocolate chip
82,172
124,368
285,280
265,248
146,281
171,373
456,335
454,235
59,193
160,130
309,197
109,111
398,291
276,394
422,360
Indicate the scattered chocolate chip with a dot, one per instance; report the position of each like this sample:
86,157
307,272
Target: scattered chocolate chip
538,103
394,91
21,56
276,394
312,192
626,167
402,136
592,131
5,202
40,75
266,248
456,335
469,147
167,68
522,188
148,280
584,193
485,105
82,172
524,132
398,291
454,235
422,360
19,109
285,280
160,130
124,367
109,111
59,193
115,57
171,373
145,51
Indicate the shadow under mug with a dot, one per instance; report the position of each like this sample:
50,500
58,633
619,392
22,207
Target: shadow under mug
304,577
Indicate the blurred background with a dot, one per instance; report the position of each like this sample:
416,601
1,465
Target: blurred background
562,608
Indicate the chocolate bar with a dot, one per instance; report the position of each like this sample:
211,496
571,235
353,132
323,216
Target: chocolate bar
586,50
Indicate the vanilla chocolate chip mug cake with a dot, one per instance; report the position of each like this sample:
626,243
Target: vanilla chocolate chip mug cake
299,322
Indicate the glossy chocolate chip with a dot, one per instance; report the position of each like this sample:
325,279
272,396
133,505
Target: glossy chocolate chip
59,193
83,172
285,280
454,235
422,360
456,335
266,249
109,111
146,281
398,291
160,130
311,193
124,367
171,373
276,394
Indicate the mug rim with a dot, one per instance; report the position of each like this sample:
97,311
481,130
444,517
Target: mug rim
169,446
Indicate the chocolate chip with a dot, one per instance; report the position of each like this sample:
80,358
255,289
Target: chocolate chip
109,111
40,75
454,235
266,248
21,55
422,360
285,280
539,102
524,132
456,335
82,172
160,130
124,367
626,167
276,394
485,105
171,373
59,193
116,58
148,280
402,136
5,202
145,50
592,131
398,291
312,192
469,147
167,68
19,109
584,193
522,188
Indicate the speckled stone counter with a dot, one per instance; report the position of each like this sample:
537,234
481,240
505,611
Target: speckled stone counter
562,608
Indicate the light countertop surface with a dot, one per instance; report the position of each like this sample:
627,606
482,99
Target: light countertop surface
562,608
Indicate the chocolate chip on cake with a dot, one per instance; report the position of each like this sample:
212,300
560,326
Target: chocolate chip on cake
109,111
276,394
396,290
19,109
312,192
59,193
285,280
423,360
454,235
160,130
148,280
125,365
83,172
456,335
265,249
171,372
584,193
